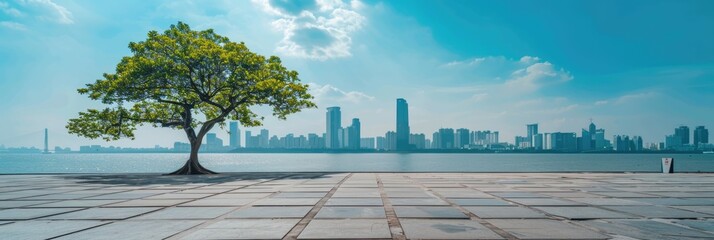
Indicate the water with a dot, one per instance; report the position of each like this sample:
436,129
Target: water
378,162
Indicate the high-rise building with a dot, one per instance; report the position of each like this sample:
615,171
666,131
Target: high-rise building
566,142
263,138
381,143
418,140
673,142
315,141
586,140
532,131
234,133
354,135
334,123
213,143
683,133
402,124
446,138
366,143
701,135
538,141
461,139
391,140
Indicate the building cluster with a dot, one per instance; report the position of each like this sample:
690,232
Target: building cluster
339,137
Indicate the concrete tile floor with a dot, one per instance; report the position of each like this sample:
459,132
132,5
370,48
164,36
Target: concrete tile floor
358,206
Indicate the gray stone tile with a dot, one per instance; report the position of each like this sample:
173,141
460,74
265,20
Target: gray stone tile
218,202
351,212
446,229
479,202
658,212
242,195
30,213
187,213
300,195
77,203
417,202
286,202
180,196
608,201
30,230
580,213
677,201
346,228
140,230
544,229
428,212
624,194
149,203
704,225
545,202
700,209
354,202
103,214
518,195
17,204
245,229
271,212
646,229
505,212
415,194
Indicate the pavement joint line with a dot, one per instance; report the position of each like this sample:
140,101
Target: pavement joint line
395,226
302,224
190,230
497,230
81,230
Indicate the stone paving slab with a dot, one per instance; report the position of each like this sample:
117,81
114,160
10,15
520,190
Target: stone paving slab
358,206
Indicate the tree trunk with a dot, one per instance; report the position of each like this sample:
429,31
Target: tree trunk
192,166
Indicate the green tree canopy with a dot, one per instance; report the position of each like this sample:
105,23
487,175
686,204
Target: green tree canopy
189,80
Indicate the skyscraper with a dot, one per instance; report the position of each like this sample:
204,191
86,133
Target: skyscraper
47,147
683,133
462,138
263,138
354,134
701,135
402,124
532,130
333,122
234,135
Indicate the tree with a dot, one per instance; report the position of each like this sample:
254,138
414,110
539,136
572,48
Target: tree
188,80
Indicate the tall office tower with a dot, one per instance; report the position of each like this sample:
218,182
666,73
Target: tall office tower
592,128
586,141
334,119
391,140
538,141
593,133
683,133
263,138
381,143
354,134
701,135
532,130
234,133
47,147
446,138
600,142
565,142
367,143
402,124
436,141
461,138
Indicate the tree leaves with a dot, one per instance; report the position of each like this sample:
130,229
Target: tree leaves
173,75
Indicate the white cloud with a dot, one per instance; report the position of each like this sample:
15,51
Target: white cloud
630,98
315,30
601,102
7,9
331,94
13,25
49,10
537,75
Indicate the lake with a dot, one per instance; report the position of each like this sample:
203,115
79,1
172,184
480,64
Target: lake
372,162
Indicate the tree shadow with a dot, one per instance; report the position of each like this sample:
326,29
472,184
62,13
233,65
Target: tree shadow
156,179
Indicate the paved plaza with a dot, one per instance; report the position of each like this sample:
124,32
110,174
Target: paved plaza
358,206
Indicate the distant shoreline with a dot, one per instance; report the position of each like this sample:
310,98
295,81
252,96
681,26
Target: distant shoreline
346,151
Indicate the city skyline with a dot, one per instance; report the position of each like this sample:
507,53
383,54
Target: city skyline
622,64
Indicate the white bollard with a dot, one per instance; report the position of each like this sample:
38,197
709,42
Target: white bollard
667,165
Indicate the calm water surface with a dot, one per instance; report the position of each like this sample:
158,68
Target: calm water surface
384,162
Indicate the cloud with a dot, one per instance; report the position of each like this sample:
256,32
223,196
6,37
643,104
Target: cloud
526,74
331,94
633,97
7,9
318,30
48,10
13,25
601,102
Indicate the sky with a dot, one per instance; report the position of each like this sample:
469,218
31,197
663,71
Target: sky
633,67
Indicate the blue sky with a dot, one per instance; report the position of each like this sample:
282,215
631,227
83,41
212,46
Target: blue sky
635,67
